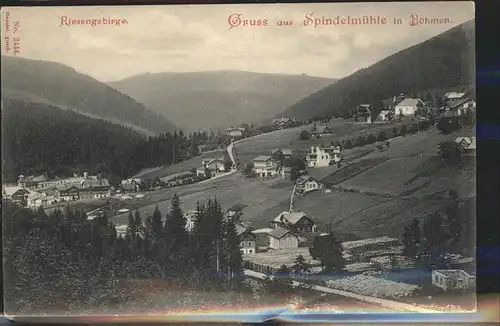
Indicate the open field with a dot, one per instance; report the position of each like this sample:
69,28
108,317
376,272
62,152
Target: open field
377,201
250,148
192,163
260,196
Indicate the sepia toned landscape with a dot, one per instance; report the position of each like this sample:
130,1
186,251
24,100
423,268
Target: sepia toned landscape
124,186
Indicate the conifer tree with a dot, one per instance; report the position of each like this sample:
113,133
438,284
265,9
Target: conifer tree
232,251
411,239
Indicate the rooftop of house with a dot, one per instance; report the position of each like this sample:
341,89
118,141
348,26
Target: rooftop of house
262,158
9,191
65,187
285,151
466,142
279,233
454,95
322,129
290,217
458,102
262,231
366,242
452,272
235,129
305,178
128,186
409,102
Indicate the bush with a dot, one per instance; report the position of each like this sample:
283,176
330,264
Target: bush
395,131
304,135
360,141
448,124
371,139
413,128
403,131
347,144
450,152
382,136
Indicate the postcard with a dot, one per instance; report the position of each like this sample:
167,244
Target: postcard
239,162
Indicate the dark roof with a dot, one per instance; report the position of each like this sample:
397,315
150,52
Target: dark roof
65,188
279,233
459,102
322,129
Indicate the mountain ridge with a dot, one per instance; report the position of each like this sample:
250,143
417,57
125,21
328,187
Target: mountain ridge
63,86
197,100
445,60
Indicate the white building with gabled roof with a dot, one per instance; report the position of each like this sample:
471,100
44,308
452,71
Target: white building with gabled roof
408,107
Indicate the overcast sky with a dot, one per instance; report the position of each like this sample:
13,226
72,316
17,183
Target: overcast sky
196,38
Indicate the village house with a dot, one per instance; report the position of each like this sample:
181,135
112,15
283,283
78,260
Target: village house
287,153
211,167
247,239
190,217
386,115
283,122
67,193
457,104
364,113
235,133
32,182
297,222
408,107
86,189
323,156
264,166
286,173
307,184
452,279
451,97
130,185
36,199
15,194
467,145
280,238
320,131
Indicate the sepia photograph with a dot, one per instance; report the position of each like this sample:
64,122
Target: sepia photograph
196,160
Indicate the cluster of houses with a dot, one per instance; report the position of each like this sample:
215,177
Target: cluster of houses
36,191
235,132
211,167
283,123
454,103
267,166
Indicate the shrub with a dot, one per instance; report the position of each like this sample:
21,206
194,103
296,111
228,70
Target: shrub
382,136
360,141
370,139
395,131
413,128
304,135
450,152
403,131
448,124
347,144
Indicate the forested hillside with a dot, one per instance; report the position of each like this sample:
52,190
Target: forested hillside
39,138
441,62
65,263
61,86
